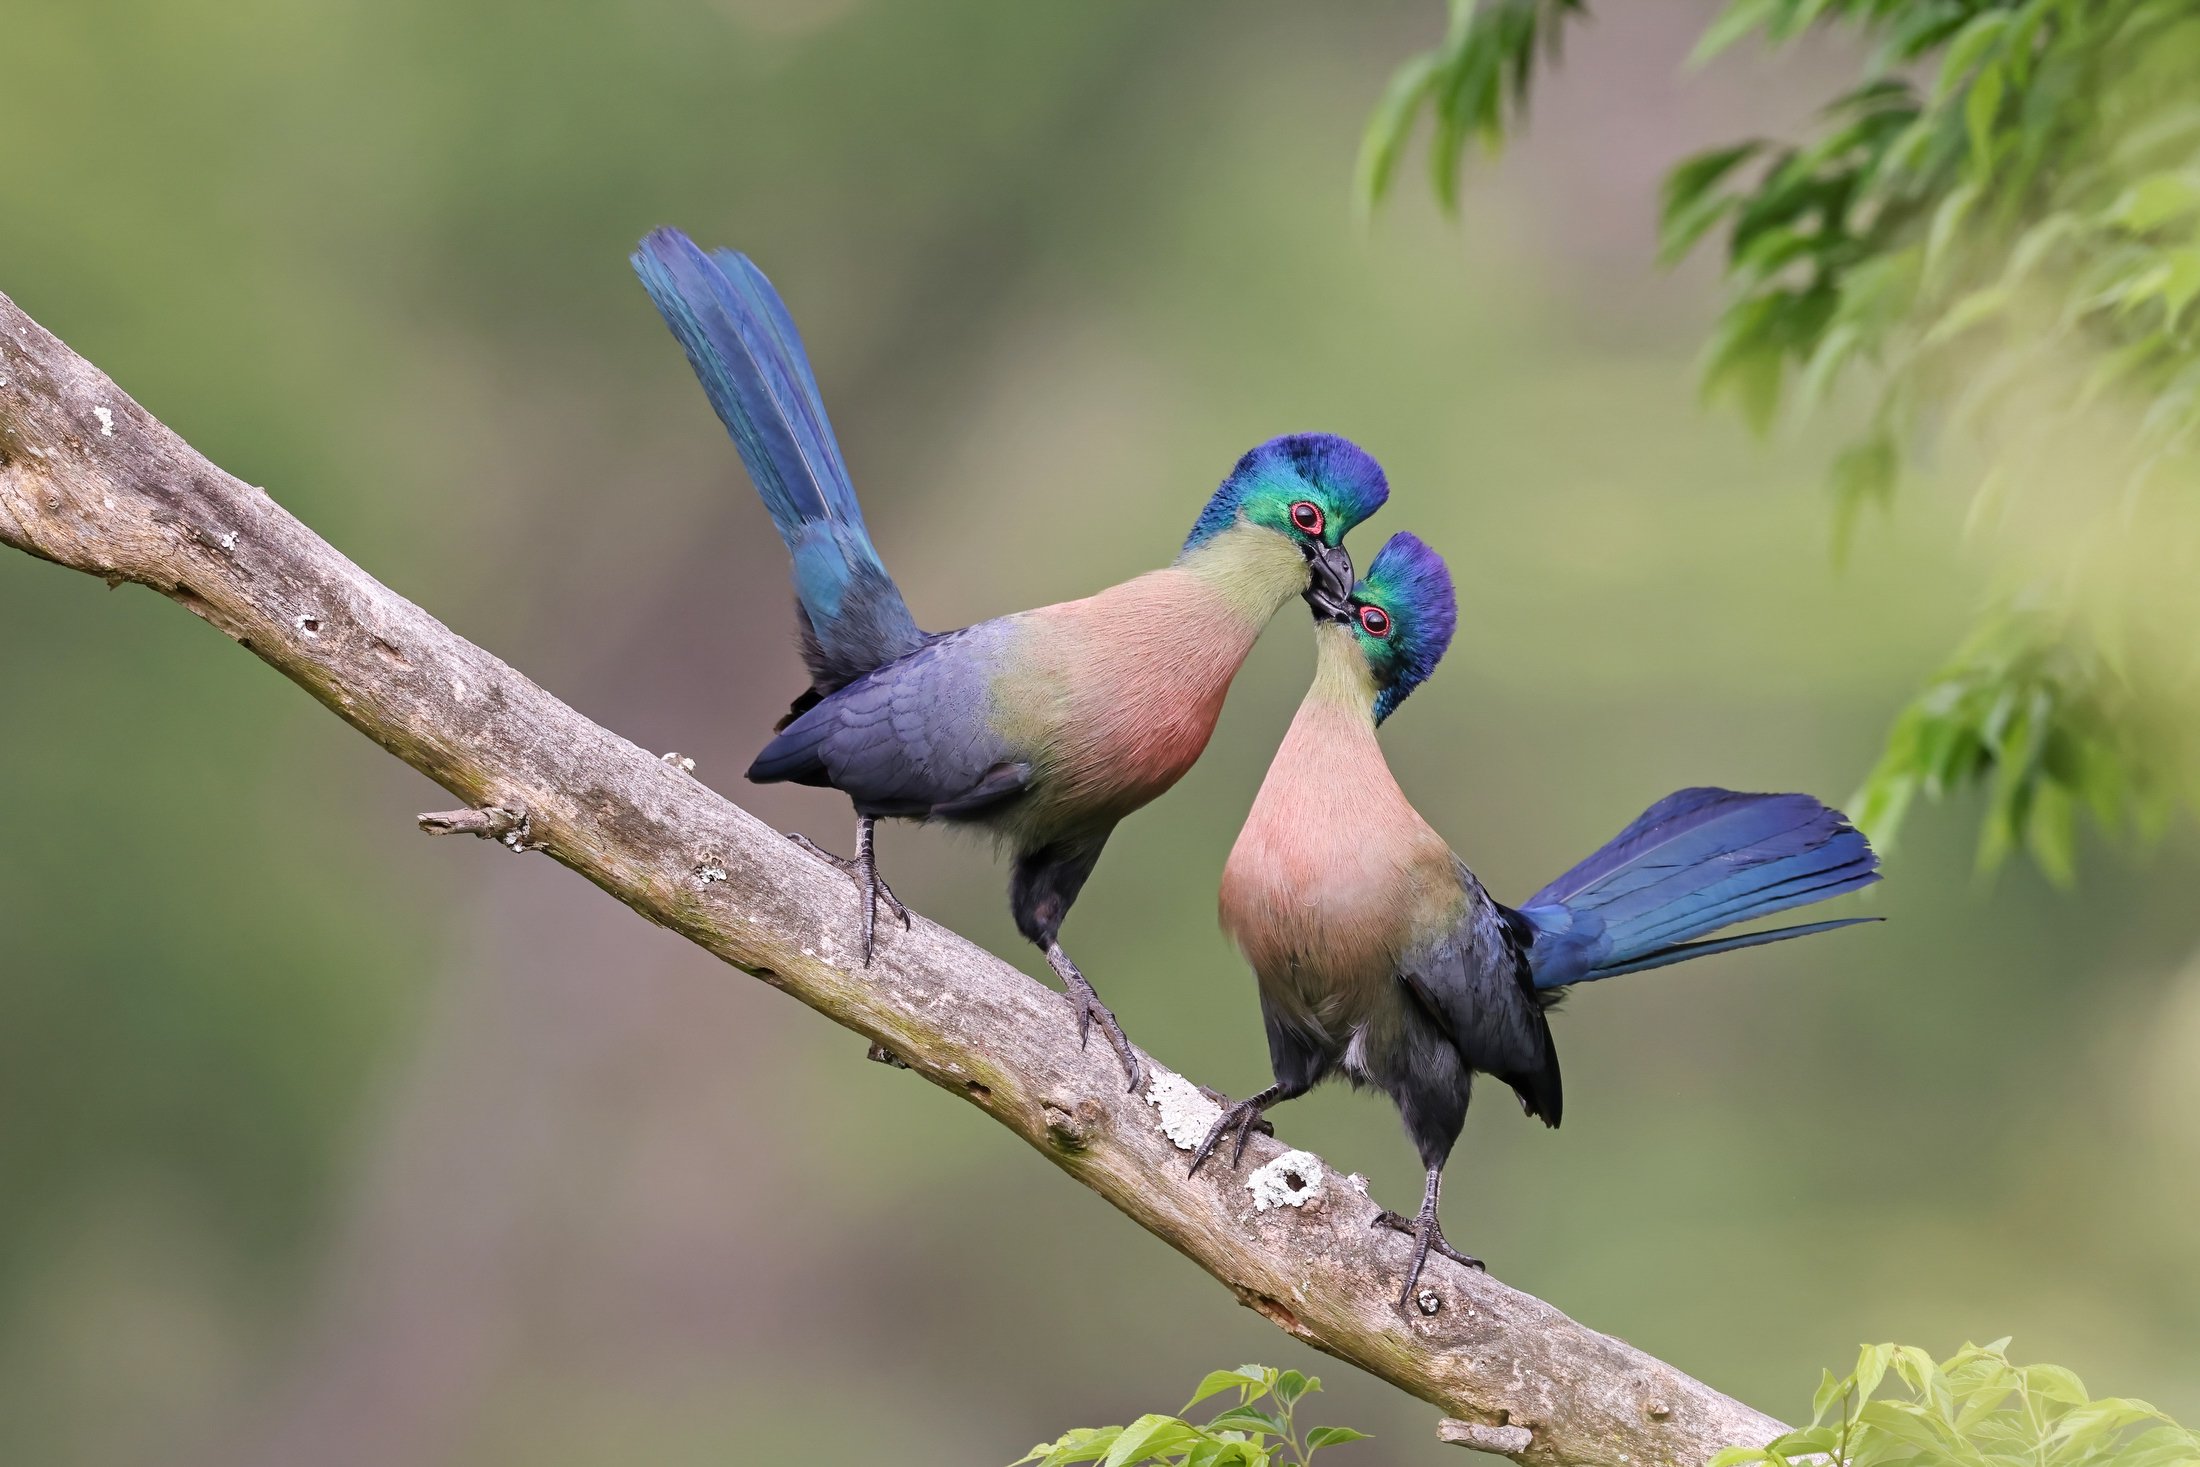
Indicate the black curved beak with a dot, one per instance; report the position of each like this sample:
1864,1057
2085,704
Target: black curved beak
1331,592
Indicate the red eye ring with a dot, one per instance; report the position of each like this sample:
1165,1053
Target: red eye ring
1375,620
1307,515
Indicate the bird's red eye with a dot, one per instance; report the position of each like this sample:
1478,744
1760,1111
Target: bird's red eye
1375,620
1307,515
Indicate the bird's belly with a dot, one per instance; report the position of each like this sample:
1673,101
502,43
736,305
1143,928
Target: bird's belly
1326,980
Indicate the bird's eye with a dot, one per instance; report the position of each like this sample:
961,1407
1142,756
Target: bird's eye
1375,620
1307,515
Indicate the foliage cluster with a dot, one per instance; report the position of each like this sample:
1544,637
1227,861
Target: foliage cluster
1247,1434
1898,1408
1995,235
1975,1409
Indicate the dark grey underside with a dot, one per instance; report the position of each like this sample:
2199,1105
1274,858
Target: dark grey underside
1456,1007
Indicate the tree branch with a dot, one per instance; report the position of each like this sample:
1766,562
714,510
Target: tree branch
90,480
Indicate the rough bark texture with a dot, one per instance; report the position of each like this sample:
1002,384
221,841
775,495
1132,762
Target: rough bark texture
90,480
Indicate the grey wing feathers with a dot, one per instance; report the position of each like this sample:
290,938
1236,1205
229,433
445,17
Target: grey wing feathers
911,739
1475,982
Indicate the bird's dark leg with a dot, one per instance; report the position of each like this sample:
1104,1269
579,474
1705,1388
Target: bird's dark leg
864,868
1427,1235
1089,1008
1245,1119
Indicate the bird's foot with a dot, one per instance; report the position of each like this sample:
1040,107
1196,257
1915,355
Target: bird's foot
1090,1009
1428,1237
863,870
1245,1118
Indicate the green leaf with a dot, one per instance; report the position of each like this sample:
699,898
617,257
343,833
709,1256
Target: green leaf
1740,1457
1966,50
2051,835
1907,1424
1384,139
1227,1454
1247,1418
1290,1386
1830,1390
1331,1436
1694,177
1150,1436
1252,1378
2101,1419
1740,18
1773,250
2053,1383
1085,1444
1871,1368
1977,307
2180,282
1682,230
1835,349
1981,109
1918,29
2153,202
1880,804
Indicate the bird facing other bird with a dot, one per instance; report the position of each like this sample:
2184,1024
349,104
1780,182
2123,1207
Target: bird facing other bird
1380,956
1046,727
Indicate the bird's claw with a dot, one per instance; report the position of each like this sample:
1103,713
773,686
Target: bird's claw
1089,1008
1080,992
1246,1118
1428,1238
869,884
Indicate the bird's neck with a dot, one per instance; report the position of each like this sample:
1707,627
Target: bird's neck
1251,570
1343,682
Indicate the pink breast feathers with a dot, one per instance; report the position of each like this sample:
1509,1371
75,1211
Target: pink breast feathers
1333,863
1141,671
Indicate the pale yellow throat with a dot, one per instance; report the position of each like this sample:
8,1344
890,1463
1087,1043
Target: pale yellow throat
1342,678
1253,570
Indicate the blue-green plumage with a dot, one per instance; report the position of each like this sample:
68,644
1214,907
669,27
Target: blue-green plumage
1278,470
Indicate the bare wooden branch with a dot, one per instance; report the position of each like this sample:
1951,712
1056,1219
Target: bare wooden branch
90,480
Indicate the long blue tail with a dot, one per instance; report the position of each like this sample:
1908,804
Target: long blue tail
1694,862
748,355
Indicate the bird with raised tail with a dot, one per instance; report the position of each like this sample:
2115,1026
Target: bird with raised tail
1044,728
1381,958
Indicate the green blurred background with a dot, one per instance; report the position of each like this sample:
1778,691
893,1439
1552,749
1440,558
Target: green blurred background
323,1143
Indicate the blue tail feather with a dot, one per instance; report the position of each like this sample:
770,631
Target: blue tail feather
1682,952
1691,921
1695,862
748,355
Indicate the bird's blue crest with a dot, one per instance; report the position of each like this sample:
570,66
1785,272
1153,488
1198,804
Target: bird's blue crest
1335,472
1412,585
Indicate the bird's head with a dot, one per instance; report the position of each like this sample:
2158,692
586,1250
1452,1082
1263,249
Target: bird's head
1400,619
1310,489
